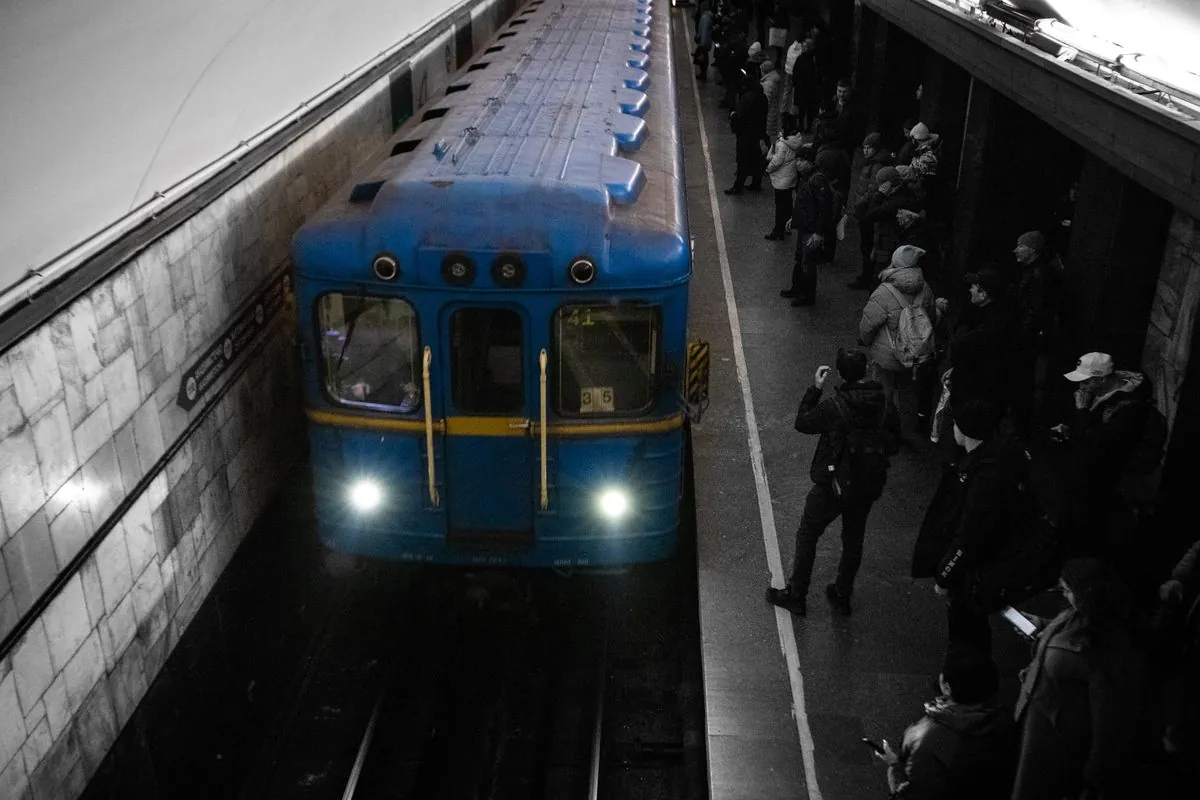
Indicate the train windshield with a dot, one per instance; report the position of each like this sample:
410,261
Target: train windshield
370,352
605,359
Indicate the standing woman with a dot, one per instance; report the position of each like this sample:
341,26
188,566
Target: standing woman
781,169
1080,710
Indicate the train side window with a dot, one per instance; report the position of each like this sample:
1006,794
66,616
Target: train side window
370,351
605,359
487,370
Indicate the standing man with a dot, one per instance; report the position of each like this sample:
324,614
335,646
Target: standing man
749,124
814,219
1038,291
848,471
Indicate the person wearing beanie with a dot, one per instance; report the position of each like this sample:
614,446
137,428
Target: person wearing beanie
877,209
772,85
924,161
842,485
901,286
1038,294
1080,713
814,219
962,746
972,516
875,157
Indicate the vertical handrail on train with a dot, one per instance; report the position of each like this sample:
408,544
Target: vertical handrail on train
542,427
426,361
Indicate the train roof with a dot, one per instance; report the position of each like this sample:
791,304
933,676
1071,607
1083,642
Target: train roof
560,140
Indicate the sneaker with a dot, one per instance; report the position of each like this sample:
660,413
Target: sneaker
785,599
839,602
788,293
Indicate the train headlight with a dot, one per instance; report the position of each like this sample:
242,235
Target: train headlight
614,503
365,495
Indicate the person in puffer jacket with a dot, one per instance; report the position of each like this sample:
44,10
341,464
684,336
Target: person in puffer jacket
781,169
875,158
879,208
963,746
879,327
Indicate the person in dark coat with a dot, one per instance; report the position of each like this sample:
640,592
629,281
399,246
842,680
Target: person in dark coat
749,123
971,517
981,347
875,157
1081,704
962,747
1038,291
814,218
844,112
1111,409
879,209
857,403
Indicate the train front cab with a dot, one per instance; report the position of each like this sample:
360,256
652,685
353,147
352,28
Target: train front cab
537,431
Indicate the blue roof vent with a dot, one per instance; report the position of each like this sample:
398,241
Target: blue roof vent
623,178
629,131
631,101
637,60
635,78
641,30
639,44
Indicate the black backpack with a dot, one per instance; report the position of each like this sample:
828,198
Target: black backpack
863,457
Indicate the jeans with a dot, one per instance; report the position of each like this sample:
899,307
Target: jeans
821,508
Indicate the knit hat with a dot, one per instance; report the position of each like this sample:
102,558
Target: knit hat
991,281
920,132
766,67
827,161
1091,365
977,419
887,175
1033,240
851,364
754,50
907,255
873,140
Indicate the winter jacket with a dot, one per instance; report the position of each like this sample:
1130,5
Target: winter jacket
772,85
982,353
814,211
880,323
863,401
1038,294
781,162
749,120
1103,437
845,125
974,510
839,171
956,752
864,183
925,161
880,210
1079,711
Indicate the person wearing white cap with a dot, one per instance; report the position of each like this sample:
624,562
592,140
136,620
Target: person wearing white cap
1111,409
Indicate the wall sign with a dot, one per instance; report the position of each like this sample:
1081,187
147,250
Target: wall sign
245,329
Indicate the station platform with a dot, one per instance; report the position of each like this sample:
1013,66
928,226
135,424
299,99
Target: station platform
789,699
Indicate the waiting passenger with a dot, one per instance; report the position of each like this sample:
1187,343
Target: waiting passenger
781,169
925,155
749,124
981,347
848,472
814,218
875,157
1038,292
962,747
879,209
772,86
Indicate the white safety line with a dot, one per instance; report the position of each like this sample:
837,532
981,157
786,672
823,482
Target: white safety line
783,618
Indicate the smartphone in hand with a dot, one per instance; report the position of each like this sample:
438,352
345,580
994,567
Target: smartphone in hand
876,746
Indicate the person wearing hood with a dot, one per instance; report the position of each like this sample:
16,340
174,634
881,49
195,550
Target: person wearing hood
901,285
962,746
855,408
1112,407
773,89
749,124
781,169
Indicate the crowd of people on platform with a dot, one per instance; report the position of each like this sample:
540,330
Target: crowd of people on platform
1022,506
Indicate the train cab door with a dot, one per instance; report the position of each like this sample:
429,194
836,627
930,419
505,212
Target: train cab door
489,453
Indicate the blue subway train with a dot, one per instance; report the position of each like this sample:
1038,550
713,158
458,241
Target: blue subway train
494,312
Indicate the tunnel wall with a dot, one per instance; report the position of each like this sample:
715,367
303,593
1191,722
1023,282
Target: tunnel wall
144,427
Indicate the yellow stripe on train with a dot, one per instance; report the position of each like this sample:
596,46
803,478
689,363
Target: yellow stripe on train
494,426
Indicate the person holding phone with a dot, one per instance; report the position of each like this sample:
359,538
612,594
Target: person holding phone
962,746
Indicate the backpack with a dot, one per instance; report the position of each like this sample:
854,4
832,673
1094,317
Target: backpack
860,469
913,343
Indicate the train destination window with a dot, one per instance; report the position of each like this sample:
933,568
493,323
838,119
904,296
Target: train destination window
370,351
605,358
486,361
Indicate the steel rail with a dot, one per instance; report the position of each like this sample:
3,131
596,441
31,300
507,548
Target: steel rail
365,745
